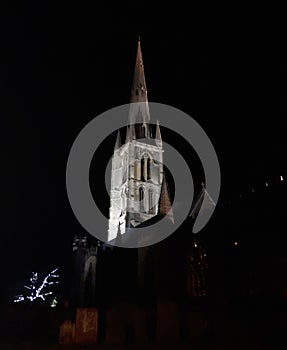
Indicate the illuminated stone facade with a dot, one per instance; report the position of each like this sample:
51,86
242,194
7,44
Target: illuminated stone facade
137,169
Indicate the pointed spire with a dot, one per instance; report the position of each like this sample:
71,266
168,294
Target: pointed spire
139,90
128,139
118,141
139,110
165,207
132,132
158,139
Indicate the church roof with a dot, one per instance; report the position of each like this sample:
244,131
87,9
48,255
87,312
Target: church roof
134,238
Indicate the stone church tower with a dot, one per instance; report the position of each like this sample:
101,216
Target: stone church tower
137,168
139,196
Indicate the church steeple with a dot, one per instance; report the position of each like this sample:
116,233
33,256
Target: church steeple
139,90
136,179
139,110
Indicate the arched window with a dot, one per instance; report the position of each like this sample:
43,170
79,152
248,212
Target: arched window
124,167
150,201
143,169
148,169
141,198
143,132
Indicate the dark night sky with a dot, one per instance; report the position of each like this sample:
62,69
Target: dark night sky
60,67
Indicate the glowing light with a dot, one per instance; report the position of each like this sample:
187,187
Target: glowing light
235,243
19,298
38,292
54,302
195,244
281,177
266,184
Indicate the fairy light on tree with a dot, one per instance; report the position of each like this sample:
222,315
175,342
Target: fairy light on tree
37,289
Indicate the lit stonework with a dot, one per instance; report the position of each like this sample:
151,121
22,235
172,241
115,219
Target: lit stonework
137,169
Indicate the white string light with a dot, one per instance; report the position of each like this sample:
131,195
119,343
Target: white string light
38,292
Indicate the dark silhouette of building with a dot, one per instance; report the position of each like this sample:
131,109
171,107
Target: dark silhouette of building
140,197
